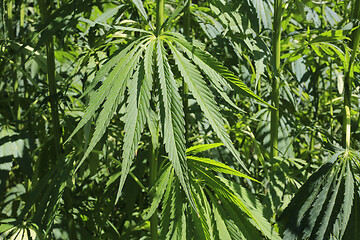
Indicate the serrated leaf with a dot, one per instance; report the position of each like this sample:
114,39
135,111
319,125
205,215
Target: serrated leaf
181,5
236,222
105,69
217,81
346,207
205,99
329,211
316,206
220,224
255,207
221,189
99,95
175,225
202,147
158,191
205,228
166,208
114,88
217,166
172,117
139,89
303,199
139,5
225,189
322,207
209,60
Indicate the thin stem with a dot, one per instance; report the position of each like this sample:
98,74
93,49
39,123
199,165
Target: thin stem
355,37
9,21
46,10
160,5
356,232
315,82
153,177
187,19
187,33
53,93
275,114
331,102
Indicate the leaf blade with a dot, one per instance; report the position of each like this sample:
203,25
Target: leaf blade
205,99
172,117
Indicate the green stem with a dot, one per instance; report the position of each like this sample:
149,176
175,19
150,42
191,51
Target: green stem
22,15
331,102
9,21
347,112
153,177
275,114
187,33
355,37
356,211
56,130
11,34
53,92
315,81
187,19
160,5
153,174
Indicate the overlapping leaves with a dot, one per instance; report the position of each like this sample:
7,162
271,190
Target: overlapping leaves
322,207
133,69
225,209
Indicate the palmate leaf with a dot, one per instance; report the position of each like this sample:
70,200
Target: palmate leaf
109,95
215,79
104,70
158,191
100,94
322,207
174,214
203,221
166,208
217,166
231,222
209,60
121,28
296,210
221,225
136,112
112,100
226,192
255,207
205,99
202,147
238,213
172,118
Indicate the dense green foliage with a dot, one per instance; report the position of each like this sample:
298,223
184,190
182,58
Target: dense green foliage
179,119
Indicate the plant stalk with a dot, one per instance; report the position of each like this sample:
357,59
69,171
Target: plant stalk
185,88
56,130
153,177
355,38
9,19
187,19
275,113
160,5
